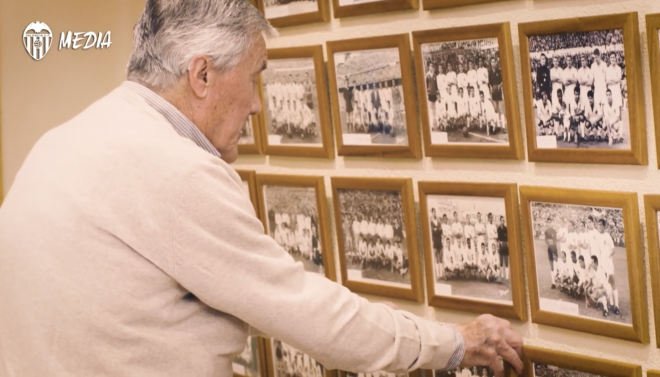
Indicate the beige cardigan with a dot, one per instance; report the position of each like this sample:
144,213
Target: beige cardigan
127,250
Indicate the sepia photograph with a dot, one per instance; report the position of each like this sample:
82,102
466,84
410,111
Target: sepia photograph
290,362
480,371
284,8
248,363
581,262
544,370
539,362
470,249
376,374
464,92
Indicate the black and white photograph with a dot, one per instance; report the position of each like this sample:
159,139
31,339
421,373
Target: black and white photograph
247,133
581,261
470,249
284,8
376,374
464,92
371,100
374,236
247,363
464,372
293,222
353,2
291,105
290,362
580,90
545,370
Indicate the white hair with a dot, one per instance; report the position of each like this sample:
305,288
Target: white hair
169,33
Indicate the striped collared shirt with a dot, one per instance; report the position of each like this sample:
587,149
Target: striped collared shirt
181,124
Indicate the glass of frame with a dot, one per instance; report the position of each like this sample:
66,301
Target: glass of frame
578,104
252,361
584,261
251,140
472,250
653,33
467,77
294,212
377,236
373,98
285,360
351,8
296,115
652,208
480,371
283,13
249,180
540,362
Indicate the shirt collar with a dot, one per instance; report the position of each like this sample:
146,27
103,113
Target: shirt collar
181,124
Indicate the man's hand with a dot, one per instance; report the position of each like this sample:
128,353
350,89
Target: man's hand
489,341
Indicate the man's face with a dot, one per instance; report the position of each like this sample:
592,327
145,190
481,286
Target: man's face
601,227
584,62
490,219
569,61
597,58
591,101
581,263
612,59
232,97
470,65
555,62
502,221
609,98
479,215
493,63
545,98
543,60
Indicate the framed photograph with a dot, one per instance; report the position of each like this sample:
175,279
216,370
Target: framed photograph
286,361
249,180
415,373
472,250
461,372
442,4
377,236
251,139
284,13
540,362
584,260
351,8
252,362
294,212
652,208
373,97
467,79
583,90
296,114
653,33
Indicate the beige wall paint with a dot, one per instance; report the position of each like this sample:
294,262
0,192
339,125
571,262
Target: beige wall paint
37,96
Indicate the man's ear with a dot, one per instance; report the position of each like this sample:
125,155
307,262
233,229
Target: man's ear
198,72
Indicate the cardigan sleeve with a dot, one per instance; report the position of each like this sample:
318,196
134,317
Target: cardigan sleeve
222,256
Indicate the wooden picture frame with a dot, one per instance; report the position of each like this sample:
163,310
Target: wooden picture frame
250,178
259,354
534,357
653,373
512,147
386,277
651,208
399,89
652,30
371,7
486,201
619,213
324,239
415,373
443,4
315,101
570,151
254,146
281,17
270,357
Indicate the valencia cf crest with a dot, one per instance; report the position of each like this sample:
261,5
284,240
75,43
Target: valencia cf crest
37,39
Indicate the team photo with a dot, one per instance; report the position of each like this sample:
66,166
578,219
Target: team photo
290,102
247,133
376,374
579,88
465,372
581,262
470,247
544,370
464,92
283,8
371,102
374,236
290,362
247,363
293,223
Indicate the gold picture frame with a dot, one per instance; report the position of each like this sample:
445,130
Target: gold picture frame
404,115
386,275
652,30
465,198
502,32
324,237
651,208
316,102
415,373
321,14
572,362
637,154
270,357
619,212
443,4
259,353
653,373
249,177
368,8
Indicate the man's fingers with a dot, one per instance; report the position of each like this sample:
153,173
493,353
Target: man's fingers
511,356
497,365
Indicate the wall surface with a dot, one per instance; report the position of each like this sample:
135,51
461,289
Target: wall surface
37,96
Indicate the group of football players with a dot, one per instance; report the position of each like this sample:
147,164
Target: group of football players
290,105
290,362
465,372
374,107
297,233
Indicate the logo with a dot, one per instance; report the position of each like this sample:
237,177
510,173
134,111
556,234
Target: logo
37,39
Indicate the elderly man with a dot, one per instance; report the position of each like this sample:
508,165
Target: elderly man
129,248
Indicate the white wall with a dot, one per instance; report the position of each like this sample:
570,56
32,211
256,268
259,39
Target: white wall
67,81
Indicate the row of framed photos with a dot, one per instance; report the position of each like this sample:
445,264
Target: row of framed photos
584,255
272,358
579,107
